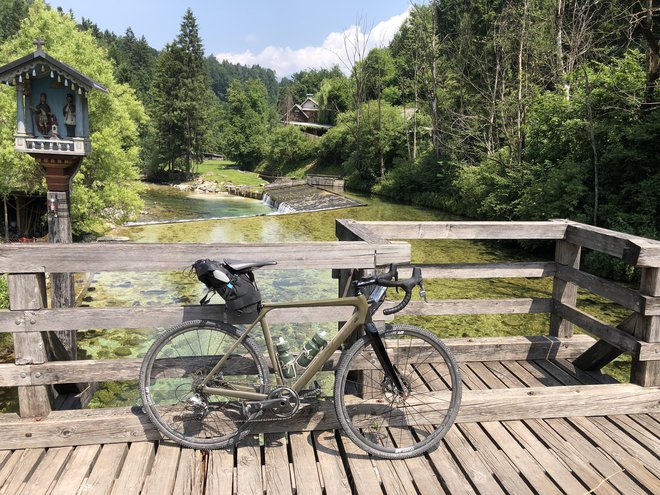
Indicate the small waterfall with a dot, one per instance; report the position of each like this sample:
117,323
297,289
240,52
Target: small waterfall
278,207
285,208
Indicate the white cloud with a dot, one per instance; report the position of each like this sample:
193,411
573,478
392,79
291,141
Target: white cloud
337,49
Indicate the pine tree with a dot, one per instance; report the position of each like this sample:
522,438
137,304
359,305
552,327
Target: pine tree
180,97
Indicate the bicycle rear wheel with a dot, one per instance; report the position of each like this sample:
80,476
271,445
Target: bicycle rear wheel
178,362
384,421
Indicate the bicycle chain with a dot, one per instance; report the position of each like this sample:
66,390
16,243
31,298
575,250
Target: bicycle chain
275,418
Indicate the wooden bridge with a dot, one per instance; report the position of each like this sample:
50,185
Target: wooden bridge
537,415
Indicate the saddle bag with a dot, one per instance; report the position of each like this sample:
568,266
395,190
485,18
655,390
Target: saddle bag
238,289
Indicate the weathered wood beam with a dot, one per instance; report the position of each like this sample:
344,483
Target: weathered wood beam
27,292
101,426
468,230
148,317
566,254
632,249
648,374
488,270
472,349
351,230
477,307
638,349
602,352
136,257
628,298
642,252
163,316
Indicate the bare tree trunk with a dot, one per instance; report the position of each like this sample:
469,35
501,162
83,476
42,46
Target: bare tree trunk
354,52
433,64
561,66
594,147
4,199
521,80
652,55
416,90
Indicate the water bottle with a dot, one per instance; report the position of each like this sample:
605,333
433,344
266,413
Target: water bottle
311,349
287,362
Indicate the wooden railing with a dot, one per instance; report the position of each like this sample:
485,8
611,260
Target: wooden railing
372,245
638,335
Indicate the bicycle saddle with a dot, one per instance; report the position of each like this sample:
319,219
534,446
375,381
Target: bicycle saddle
244,266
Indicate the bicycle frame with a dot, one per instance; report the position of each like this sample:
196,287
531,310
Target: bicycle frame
359,317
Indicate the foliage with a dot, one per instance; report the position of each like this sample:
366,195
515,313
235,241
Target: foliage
307,82
288,145
180,100
12,12
333,97
106,188
223,73
247,123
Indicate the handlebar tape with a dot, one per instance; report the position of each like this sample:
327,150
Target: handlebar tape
407,286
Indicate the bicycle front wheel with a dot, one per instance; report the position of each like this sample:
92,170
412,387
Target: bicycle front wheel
391,423
175,366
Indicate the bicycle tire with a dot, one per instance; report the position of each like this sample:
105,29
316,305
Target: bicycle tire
388,424
179,360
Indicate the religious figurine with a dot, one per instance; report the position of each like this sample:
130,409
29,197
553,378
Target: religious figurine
69,112
45,118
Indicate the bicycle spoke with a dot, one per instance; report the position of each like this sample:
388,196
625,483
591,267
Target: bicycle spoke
376,414
174,369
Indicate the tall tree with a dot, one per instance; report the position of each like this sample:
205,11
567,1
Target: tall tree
180,98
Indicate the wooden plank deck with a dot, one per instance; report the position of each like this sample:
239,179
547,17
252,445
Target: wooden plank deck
603,455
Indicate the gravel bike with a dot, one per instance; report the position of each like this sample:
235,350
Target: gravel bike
205,384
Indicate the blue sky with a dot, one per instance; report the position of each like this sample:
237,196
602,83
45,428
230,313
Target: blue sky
284,35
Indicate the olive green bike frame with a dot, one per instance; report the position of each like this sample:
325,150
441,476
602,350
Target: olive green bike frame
359,317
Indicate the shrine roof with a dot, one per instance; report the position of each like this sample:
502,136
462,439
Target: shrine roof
12,70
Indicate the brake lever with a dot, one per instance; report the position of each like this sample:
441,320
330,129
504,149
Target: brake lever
422,292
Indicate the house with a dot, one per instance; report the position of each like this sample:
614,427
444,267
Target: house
306,112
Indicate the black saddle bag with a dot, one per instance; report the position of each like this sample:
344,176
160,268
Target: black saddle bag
240,292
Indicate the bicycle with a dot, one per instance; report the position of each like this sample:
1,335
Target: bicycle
397,390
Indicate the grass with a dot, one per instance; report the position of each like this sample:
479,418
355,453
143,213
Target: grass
226,172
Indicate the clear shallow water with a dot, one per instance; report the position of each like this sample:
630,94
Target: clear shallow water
164,203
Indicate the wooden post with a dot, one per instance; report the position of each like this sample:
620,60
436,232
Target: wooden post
647,373
28,292
566,253
62,284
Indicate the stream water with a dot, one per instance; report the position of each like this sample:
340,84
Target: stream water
166,204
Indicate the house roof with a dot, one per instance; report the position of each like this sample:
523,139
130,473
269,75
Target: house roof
43,61
309,98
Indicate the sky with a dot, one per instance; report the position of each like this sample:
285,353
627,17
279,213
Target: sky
284,35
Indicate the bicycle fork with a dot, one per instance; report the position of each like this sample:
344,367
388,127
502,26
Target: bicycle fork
383,358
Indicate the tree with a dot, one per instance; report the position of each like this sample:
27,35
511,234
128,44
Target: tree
135,62
12,12
248,122
180,97
380,70
106,189
223,73
334,97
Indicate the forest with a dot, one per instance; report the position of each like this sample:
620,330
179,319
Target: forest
490,109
